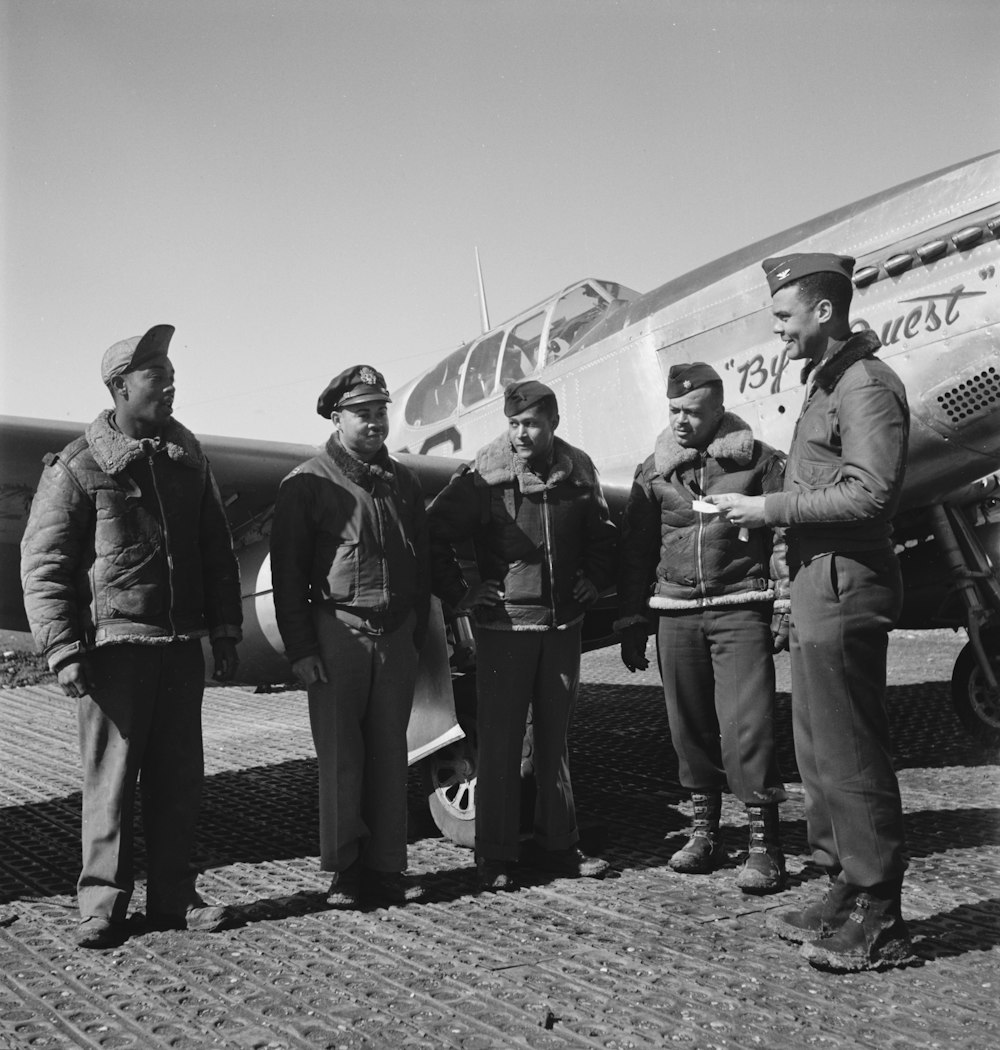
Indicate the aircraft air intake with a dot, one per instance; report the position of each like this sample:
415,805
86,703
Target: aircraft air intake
976,396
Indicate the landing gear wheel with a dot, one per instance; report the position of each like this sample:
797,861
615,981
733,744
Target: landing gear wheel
977,705
450,786
450,783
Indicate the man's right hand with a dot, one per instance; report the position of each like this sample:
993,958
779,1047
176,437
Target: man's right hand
488,592
634,648
74,678
309,669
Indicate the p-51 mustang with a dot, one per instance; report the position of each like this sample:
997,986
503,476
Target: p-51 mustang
928,255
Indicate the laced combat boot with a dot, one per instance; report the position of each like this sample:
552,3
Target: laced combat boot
703,851
817,921
874,936
764,870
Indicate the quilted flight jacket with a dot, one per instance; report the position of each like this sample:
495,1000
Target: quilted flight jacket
127,541
673,557
536,536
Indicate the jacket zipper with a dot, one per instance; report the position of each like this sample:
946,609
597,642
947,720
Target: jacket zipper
381,539
165,528
699,531
547,533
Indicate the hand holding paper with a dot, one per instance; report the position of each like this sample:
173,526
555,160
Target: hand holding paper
745,511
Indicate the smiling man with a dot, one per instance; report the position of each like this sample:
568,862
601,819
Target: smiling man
842,486
533,507
126,564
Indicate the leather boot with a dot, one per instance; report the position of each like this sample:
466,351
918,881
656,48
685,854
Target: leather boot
764,870
818,920
703,851
874,937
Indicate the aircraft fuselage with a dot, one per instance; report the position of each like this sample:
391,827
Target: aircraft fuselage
927,283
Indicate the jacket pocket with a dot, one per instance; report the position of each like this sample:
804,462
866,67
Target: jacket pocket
135,593
816,474
522,584
343,576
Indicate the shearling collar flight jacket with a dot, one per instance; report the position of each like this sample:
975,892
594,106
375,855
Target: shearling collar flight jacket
127,541
674,558
535,535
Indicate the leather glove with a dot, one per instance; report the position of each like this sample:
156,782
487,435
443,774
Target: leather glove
634,648
779,632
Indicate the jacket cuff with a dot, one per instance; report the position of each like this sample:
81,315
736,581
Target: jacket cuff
226,630
65,654
775,508
298,654
630,621
782,605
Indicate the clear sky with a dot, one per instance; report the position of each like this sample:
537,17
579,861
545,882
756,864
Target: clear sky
299,185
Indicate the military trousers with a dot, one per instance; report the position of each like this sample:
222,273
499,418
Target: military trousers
141,723
515,669
843,608
358,719
718,683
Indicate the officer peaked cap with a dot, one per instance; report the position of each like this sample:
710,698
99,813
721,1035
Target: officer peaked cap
353,386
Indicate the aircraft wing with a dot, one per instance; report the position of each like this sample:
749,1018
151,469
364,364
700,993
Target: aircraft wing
248,472
23,443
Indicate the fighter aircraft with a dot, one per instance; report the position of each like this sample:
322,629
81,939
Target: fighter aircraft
926,280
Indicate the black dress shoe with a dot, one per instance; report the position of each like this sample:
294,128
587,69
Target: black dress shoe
199,916
96,931
345,887
494,875
572,863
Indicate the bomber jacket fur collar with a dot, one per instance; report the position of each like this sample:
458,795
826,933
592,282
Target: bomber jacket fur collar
497,464
733,440
357,470
855,348
114,451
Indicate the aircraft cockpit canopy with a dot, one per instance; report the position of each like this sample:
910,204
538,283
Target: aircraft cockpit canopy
527,343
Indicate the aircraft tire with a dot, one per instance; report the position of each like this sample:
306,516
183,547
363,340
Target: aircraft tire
977,706
450,786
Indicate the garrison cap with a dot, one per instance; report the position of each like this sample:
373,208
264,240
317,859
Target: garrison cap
682,379
522,394
784,269
353,386
135,353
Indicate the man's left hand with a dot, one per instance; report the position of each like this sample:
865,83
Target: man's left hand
779,632
745,511
226,659
584,591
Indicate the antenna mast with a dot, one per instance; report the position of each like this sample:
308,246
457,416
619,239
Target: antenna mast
484,314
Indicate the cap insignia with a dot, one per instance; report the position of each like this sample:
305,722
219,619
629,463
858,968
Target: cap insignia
784,273
369,377
687,384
